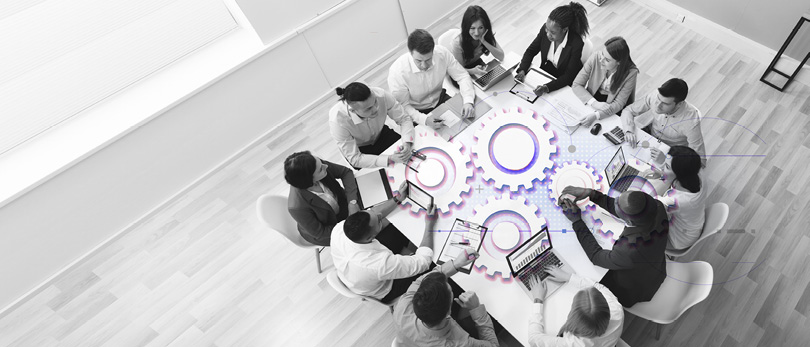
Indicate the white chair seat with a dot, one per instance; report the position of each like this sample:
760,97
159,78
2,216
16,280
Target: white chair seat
272,212
716,216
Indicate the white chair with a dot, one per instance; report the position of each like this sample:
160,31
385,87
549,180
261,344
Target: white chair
716,216
395,343
446,39
272,211
340,287
587,49
621,343
686,285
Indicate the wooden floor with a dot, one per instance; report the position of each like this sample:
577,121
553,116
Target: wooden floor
202,271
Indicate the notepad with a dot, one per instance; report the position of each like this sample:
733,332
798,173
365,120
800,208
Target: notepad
462,231
373,187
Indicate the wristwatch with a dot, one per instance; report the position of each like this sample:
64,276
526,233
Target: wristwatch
353,202
538,301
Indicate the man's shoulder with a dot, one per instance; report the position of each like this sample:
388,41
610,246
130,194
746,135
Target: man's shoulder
401,63
337,114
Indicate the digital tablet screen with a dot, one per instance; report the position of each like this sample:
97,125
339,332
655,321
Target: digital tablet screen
419,196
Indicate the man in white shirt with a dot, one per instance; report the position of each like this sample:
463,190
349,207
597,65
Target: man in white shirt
674,121
369,268
416,77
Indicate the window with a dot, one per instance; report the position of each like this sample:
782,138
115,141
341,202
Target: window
62,57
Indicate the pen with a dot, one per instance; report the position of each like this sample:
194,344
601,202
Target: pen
466,243
411,167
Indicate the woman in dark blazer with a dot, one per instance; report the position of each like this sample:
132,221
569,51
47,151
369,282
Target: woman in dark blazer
316,201
566,26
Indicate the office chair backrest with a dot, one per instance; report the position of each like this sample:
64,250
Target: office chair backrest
716,216
686,285
446,39
272,212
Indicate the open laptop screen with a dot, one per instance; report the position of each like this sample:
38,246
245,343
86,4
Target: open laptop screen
615,166
529,250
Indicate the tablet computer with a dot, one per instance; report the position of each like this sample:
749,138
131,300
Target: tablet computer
419,196
373,187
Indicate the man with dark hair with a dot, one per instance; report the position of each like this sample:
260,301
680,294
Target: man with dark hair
667,116
363,249
416,77
422,315
636,262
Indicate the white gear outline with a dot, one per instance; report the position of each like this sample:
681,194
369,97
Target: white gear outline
597,183
428,138
546,150
504,203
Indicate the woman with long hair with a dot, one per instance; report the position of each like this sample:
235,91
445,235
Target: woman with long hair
595,318
560,44
476,39
607,82
686,200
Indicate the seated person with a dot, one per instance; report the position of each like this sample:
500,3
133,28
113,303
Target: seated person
357,123
416,77
560,46
595,319
363,249
476,39
674,121
607,82
422,315
316,201
686,200
636,262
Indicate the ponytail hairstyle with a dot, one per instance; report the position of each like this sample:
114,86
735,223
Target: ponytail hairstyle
686,164
572,16
355,91
471,15
589,315
617,48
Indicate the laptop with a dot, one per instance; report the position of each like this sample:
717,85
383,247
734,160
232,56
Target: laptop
528,260
620,175
495,73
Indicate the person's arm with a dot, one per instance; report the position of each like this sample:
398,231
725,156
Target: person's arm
399,88
403,266
609,259
348,147
627,88
397,113
634,110
531,51
694,136
572,68
308,220
459,74
346,175
430,225
495,50
483,324
584,75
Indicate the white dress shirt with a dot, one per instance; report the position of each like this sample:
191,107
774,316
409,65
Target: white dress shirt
419,90
350,131
370,269
539,338
687,213
553,54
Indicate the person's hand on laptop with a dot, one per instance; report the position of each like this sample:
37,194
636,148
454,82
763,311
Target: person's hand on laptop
478,71
539,289
578,193
557,274
403,154
468,300
468,111
652,174
434,122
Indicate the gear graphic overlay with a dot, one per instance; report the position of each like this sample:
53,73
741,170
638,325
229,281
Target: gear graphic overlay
514,148
577,174
509,223
443,174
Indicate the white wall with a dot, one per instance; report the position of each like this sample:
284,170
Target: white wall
61,220
768,22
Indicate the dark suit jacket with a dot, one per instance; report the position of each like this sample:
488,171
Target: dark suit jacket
314,216
636,263
567,67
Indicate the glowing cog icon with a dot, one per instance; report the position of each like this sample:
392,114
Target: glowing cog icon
509,223
443,174
577,174
514,148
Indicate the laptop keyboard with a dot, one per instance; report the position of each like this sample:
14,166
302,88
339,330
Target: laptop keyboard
626,178
535,269
484,80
